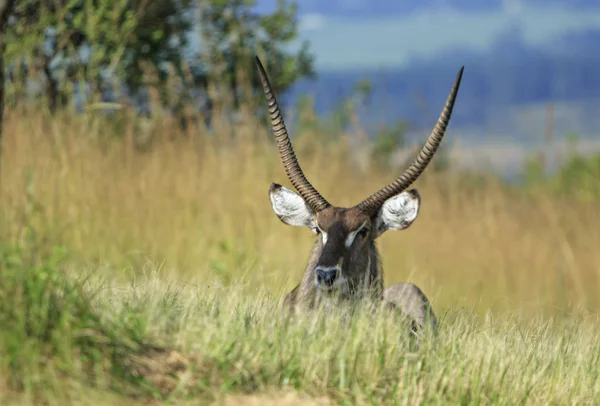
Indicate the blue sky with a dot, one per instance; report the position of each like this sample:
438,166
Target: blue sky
387,33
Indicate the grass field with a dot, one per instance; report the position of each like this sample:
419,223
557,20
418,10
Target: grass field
176,267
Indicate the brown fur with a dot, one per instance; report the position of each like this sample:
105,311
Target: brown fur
361,267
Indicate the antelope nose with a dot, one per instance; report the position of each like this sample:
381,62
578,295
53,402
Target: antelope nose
326,276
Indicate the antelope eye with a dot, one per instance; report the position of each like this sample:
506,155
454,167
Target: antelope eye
363,232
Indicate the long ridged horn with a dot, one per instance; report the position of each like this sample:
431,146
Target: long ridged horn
286,151
371,204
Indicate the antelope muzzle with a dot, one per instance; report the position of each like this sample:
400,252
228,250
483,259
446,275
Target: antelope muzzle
330,278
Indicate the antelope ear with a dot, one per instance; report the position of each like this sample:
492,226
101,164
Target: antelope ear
398,212
290,207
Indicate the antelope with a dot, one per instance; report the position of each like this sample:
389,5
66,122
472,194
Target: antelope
344,265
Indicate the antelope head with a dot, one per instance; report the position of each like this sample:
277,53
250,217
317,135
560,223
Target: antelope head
344,253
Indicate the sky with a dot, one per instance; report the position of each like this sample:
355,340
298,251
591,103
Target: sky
358,34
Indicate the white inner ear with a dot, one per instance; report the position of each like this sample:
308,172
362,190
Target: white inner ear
398,212
291,208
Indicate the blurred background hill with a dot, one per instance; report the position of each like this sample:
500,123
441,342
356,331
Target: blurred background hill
519,56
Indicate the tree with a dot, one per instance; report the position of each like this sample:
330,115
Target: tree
137,45
231,33
98,42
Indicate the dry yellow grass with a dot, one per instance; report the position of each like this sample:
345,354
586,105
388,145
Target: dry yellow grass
202,209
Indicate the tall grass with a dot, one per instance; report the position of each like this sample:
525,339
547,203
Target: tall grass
167,241
197,203
232,340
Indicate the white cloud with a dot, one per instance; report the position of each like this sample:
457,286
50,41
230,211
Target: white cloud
312,22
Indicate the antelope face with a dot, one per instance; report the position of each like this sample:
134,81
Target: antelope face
344,235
